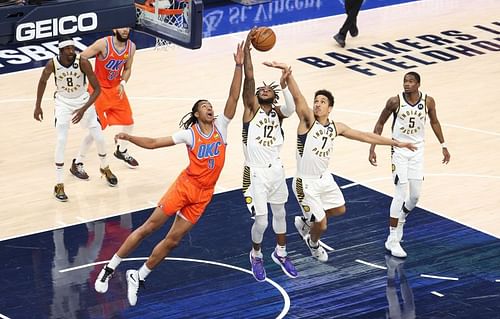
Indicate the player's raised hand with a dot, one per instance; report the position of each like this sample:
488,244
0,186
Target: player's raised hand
239,55
277,65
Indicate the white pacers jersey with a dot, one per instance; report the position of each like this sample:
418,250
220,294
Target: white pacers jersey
314,150
262,139
70,81
409,120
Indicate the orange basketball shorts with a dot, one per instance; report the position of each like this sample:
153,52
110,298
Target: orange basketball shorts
186,196
111,109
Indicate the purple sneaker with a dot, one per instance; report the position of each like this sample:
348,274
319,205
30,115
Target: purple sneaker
259,273
285,264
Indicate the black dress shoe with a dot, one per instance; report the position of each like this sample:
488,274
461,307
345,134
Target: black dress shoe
340,40
354,31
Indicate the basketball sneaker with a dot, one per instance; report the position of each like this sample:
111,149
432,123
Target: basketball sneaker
393,245
124,156
110,177
286,265
317,252
59,193
133,286
302,226
258,271
77,170
340,39
101,283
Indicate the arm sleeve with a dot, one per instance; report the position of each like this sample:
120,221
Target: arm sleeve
289,106
184,136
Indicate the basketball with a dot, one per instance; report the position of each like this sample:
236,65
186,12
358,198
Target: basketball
264,39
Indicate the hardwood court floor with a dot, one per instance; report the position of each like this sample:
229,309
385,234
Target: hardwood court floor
164,85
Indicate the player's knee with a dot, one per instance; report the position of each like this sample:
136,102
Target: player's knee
171,242
260,223
413,199
337,211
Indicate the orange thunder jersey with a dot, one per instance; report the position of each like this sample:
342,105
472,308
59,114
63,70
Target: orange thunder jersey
109,69
206,157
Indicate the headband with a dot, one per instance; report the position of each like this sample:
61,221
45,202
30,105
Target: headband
65,43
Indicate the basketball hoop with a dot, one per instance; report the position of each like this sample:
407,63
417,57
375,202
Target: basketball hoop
165,16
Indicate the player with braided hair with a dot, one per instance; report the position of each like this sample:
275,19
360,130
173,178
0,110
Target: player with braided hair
205,138
263,175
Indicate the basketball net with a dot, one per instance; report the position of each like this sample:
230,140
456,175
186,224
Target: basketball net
172,13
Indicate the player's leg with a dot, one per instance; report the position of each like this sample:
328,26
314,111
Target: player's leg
172,201
313,223
400,178
195,205
277,198
255,193
63,114
415,179
136,278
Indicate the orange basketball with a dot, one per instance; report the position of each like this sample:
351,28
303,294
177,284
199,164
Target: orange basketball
264,39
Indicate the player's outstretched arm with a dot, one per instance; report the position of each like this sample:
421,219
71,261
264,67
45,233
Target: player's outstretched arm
235,89
304,113
42,84
369,137
146,142
249,99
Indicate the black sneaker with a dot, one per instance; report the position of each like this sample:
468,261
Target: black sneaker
340,40
77,170
124,156
110,177
59,193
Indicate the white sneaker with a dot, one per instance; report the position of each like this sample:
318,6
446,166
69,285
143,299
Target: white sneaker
317,252
101,283
395,248
399,231
302,227
133,285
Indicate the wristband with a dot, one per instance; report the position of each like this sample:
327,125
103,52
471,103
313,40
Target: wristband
238,65
123,82
443,145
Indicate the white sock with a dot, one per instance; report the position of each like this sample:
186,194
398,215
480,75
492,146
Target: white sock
144,271
392,232
281,251
257,253
114,262
104,161
59,174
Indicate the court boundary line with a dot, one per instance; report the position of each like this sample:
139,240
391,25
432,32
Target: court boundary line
286,297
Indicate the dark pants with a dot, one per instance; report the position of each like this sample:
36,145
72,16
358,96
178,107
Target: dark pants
352,9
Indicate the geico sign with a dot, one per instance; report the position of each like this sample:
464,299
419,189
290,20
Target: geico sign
57,26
